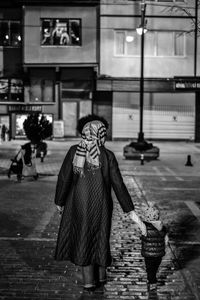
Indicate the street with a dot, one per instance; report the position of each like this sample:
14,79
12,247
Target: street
29,224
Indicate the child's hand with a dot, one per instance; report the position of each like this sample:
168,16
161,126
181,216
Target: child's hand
143,228
60,209
135,218
166,240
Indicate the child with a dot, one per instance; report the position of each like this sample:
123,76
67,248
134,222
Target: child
153,244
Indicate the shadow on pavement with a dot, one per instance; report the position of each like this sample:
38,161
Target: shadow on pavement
10,225
153,295
97,295
183,235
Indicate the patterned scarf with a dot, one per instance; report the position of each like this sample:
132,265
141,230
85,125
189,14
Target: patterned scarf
93,136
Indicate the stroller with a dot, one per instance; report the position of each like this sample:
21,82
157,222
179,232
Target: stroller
24,164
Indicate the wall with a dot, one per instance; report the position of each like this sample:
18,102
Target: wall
128,18
35,53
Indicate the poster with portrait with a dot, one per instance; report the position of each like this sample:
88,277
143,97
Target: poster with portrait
60,32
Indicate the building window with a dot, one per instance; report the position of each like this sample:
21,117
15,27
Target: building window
20,118
60,32
10,33
42,85
164,44
174,45
120,42
128,43
11,90
178,44
76,89
41,90
150,40
133,48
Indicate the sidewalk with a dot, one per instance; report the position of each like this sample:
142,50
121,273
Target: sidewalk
175,152
29,224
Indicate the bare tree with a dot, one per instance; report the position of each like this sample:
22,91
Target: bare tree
189,11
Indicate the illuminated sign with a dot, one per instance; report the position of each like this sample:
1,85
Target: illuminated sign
187,83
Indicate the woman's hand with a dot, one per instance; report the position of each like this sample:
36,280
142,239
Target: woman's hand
135,218
60,209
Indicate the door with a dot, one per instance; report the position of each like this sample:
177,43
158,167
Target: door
69,110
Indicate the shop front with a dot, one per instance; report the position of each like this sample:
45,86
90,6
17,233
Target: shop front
168,112
76,97
19,113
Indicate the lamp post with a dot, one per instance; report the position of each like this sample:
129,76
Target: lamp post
195,38
141,149
141,30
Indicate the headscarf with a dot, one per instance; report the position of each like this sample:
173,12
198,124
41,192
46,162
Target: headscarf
93,135
151,213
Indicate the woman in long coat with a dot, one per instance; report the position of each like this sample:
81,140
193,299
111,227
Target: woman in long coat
83,195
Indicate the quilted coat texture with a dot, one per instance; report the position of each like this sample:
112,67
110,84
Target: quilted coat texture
84,232
153,245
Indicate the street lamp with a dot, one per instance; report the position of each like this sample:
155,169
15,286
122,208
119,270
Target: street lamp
141,149
141,30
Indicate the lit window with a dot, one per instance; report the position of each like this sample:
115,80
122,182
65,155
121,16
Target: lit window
127,43
61,32
41,85
11,90
133,48
15,37
4,33
10,33
156,43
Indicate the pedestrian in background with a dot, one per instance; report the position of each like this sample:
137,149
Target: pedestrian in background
83,196
3,132
153,244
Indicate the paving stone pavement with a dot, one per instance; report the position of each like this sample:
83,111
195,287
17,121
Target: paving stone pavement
27,267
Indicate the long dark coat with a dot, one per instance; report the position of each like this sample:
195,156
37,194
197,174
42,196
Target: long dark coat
84,232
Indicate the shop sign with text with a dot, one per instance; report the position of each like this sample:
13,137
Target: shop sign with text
25,108
187,83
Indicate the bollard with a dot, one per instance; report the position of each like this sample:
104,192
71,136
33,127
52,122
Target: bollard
41,156
142,159
188,162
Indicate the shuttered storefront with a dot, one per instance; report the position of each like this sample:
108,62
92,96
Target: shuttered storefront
166,115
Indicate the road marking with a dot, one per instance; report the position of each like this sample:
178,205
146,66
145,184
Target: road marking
173,174
194,208
175,189
159,173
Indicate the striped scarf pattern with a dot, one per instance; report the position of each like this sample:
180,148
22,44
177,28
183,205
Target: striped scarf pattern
93,136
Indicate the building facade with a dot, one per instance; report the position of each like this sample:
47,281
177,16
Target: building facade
171,93
57,59
69,58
